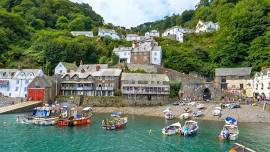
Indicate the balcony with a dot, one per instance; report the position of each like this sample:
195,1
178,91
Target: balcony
77,88
104,88
145,92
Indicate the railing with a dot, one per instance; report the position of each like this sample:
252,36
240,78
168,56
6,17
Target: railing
145,92
104,88
76,88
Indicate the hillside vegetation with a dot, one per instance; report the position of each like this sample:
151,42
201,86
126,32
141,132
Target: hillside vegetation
36,33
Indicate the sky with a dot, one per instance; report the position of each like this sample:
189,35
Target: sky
130,13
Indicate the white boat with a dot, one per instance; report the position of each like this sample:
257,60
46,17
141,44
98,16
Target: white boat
168,114
200,106
217,111
116,114
229,132
185,116
190,128
197,114
172,129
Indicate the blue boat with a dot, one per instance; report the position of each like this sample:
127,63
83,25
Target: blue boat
230,121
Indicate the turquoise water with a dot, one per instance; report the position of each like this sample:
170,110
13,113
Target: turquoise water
136,138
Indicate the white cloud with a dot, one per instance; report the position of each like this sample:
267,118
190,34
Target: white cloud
131,13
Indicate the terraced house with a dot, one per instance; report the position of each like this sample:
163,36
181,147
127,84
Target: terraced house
140,86
91,82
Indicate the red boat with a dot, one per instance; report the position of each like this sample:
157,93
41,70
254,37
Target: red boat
74,122
114,123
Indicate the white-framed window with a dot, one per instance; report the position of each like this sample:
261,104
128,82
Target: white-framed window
17,88
18,81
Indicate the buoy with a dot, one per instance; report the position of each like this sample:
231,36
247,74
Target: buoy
150,131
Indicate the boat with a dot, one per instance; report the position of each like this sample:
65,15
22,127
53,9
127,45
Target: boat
230,121
116,114
172,129
185,116
190,128
197,114
71,117
41,116
229,132
217,111
168,114
114,123
240,148
200,106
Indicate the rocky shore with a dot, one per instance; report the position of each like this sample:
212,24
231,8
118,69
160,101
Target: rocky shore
246,113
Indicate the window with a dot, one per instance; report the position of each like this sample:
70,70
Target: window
26,81
17,88
61,71
125,53
25,88
241,77
155,53
18,81
241,86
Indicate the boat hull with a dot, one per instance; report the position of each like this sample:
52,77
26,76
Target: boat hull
75,122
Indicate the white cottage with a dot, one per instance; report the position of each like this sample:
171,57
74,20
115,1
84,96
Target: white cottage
153,33
108,32
85,33
14,82
124,54
204,27
133,37
63,68
261,84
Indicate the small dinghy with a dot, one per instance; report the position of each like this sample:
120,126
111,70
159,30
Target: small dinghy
229,132
172,129
197,114
168,114
185,116
230,121
190,128
200,106
217,111
114,123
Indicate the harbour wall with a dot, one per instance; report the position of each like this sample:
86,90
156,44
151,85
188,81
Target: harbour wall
116,101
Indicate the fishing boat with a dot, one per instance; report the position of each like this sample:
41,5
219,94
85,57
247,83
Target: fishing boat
71,117
217,111
229,132
240,148
116,114
200,106
185,116
40,116
172,129
230,121
114,123
197,114
190,128
168,114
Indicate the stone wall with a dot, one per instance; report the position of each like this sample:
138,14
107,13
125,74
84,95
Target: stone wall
110,101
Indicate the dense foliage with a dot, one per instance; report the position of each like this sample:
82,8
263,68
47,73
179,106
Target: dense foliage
36,33
243,38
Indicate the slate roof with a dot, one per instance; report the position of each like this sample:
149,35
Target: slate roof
107,72
244,71
144,77
91,67
70,66
41,82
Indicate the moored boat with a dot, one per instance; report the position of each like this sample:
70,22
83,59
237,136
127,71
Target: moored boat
240,148
114,123
217,111
229,132
190,128
230,121
168,114
197,114
185,116
200,106
172,129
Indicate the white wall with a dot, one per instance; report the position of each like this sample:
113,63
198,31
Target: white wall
60,69
261,84
156,57
124,55
110,34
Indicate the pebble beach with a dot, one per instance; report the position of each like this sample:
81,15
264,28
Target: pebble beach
246,113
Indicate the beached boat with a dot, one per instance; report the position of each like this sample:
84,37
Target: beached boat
200,106
230,121
240,148
197,114
190,128
172,129
185,116
40,116
229,132
168,114
114,123
217,111
71,117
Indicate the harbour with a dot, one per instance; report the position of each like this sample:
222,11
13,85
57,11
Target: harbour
135,137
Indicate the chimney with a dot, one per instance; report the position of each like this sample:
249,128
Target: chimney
97,67
19,67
